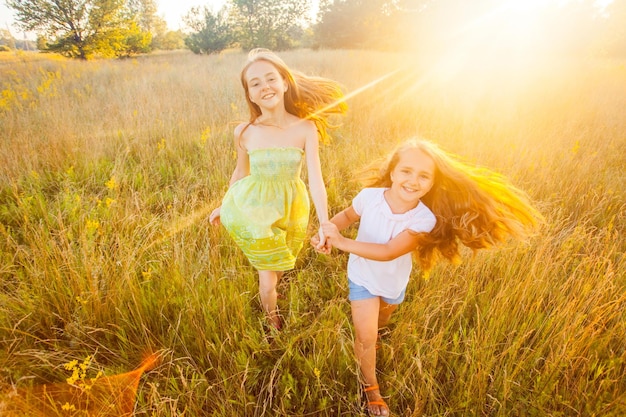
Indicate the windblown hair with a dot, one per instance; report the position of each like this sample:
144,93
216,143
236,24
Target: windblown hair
473,205
307,97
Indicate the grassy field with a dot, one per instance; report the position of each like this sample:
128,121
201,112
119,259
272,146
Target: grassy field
108,171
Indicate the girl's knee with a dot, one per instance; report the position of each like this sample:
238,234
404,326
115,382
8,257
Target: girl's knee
267,290
366,340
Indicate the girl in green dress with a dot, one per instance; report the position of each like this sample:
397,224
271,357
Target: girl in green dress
266,208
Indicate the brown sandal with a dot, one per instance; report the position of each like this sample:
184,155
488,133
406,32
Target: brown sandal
380,402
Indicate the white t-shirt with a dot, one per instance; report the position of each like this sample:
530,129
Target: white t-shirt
379,225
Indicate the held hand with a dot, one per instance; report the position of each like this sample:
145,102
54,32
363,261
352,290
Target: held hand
324,246
331,232
320,247
214,218
321,238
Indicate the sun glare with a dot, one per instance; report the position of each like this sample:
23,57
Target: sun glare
520,19
514,35
512,29
508,48
529,27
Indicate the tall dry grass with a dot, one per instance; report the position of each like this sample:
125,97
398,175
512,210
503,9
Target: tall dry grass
109,169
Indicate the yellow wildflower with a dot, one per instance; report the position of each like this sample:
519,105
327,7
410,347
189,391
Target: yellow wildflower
92,225
68,407
71,365
72,380
206,133
112,183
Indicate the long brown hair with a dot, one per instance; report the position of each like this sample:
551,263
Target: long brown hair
473,205
307,97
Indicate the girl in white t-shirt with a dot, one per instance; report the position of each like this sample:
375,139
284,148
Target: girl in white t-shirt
423,201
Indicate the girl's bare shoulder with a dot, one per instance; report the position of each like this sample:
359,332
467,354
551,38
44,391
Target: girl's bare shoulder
306,125
240,127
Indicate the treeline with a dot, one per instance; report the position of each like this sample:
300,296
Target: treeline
8,42
118,28
96,28
428,26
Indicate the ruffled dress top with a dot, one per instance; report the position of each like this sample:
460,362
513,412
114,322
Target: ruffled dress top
267,212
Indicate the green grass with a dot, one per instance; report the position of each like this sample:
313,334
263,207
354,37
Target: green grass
108,171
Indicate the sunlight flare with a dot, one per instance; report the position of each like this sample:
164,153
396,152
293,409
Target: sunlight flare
101,396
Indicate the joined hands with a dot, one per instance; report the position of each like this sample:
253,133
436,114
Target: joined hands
325,237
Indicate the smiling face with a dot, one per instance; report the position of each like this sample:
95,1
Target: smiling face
265,86
413,176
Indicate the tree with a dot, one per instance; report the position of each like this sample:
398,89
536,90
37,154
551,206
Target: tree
81,28
134,41
73,24
353,24
144,13
268,23
42,43
170,40
159,31
7,39
212,32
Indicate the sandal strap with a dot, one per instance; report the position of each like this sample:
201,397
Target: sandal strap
371,388
377,403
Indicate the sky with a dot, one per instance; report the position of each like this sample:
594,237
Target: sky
174,10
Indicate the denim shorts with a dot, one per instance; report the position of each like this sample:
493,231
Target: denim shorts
357,293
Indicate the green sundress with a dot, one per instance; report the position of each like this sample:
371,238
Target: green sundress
267,212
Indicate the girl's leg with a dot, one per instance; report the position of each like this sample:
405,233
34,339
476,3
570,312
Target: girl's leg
384,313
365,319
267,291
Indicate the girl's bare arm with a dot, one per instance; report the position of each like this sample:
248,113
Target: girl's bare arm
242,169
400,245
316,180
345,218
